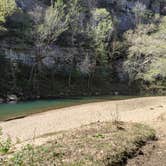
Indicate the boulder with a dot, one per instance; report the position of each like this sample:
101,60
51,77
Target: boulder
12,98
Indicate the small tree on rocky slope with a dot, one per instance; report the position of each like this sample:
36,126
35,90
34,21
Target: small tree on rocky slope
49,25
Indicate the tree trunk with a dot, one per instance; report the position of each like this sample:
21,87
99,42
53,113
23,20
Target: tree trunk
69,80
89,81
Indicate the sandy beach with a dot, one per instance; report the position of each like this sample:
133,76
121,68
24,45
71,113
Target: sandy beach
147,110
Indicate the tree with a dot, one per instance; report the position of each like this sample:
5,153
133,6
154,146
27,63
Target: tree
49,27
101,31
139,11
7,7
146,55
142,14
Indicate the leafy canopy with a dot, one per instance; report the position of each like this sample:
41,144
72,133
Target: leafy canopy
101,31
7,7
147,52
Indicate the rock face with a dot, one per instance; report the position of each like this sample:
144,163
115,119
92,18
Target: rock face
27,5
58,58
63,54
123,10
61,57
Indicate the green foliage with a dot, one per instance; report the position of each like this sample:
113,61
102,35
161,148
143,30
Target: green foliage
141,13
101,32
79,147
146,55
157,70
7,7
161,33
5,145
18,158
56,21
75,24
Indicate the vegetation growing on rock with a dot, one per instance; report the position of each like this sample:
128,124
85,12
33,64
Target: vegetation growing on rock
58,47
146,59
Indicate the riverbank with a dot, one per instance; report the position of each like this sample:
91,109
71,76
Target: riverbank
22,109
96,144
145,110
50,128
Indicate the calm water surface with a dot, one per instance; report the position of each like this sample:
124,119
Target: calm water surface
21,109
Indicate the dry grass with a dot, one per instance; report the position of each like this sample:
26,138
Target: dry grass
96,144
